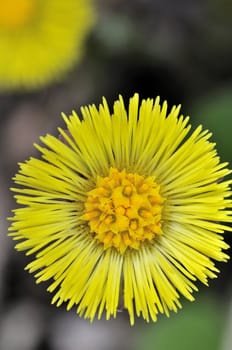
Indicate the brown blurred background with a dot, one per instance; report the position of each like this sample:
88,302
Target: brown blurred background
180,50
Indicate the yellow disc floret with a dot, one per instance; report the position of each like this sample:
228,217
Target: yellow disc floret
16,13
124,210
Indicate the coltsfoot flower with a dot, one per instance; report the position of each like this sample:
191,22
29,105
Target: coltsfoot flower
40,40
124,208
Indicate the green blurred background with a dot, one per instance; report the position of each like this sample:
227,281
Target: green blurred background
180,50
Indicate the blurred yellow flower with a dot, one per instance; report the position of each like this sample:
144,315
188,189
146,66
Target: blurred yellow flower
124,209
40,40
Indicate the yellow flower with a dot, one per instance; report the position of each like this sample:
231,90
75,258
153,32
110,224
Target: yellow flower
124,209
40,40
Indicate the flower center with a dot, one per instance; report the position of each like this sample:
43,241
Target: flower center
124,210
15,13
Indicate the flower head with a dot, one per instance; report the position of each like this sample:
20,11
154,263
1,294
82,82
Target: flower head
40,40
124,208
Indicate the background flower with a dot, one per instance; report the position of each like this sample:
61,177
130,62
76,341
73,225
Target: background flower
130,206
40,40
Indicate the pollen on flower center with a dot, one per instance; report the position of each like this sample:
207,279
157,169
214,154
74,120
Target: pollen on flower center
15,13
124,210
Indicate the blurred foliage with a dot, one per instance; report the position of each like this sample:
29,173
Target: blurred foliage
215,113
199,327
